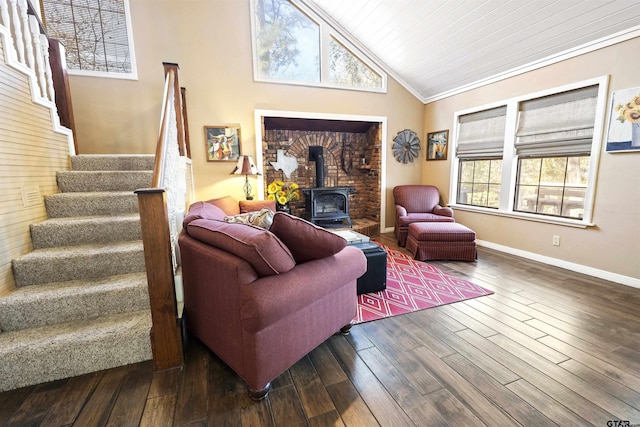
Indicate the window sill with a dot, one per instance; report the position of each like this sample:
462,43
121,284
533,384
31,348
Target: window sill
528,217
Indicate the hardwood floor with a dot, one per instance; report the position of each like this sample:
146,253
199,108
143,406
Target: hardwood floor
550,347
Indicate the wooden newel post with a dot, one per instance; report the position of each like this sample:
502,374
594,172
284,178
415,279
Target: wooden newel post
166,337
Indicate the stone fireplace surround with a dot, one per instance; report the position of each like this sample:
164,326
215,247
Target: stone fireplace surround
345,147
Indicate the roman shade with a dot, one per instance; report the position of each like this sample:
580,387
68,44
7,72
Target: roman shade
560,124
481,134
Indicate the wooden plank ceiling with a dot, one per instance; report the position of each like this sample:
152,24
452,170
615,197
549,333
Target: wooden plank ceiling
439,47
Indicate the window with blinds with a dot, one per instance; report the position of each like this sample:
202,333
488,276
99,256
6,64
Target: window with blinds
96,35
533,155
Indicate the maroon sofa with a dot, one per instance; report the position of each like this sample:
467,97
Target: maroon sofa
262,299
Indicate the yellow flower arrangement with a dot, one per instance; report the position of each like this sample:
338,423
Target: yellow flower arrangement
629,111
282,192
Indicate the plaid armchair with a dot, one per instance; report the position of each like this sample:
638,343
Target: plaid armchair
417,203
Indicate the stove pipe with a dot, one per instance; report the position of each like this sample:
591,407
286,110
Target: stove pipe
316,154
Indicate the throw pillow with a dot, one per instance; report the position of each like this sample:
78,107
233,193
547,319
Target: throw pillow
262,218
260,248
305,240
203,210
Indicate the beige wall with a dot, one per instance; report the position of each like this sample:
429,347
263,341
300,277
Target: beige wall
31,152
613,245
211,41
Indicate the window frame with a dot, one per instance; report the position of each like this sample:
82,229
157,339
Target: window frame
510,159
326,33
133,75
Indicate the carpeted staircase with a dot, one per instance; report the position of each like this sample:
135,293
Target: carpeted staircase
81,304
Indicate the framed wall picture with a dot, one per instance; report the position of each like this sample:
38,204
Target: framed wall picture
624,122
222,142
437,144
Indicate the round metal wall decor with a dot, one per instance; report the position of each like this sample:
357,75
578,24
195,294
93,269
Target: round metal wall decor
406,146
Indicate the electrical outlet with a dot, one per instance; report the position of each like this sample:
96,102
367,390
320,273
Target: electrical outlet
556,241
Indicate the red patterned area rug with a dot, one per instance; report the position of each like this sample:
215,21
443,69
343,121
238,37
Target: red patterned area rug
411,286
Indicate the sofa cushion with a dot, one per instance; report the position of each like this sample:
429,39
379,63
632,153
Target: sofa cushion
256,205
260,248
262,218
227,203
203,210
305,240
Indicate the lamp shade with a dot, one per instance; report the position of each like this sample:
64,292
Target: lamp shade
245,166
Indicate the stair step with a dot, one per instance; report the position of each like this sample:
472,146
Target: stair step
57,232
51,303
82,181
109,162
48,353
62,205
78,262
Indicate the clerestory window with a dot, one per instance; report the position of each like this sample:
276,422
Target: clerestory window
96,35
292,45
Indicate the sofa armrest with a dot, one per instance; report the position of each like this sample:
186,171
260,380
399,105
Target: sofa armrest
443,211
400,211
263,301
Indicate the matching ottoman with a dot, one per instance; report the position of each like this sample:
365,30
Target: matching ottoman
441,241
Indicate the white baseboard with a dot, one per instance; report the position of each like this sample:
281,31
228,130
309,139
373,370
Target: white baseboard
579,268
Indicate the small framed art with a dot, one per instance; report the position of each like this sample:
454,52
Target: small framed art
437,144
222,142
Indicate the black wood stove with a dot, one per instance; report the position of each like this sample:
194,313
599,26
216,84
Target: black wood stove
326,206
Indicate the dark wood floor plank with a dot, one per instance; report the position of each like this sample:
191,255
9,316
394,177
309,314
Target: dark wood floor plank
329,419
463,390
614,388
413,324
36,406
521,411
628,377
314,397
629,361
76,392
577,384
326,365
223,386
165,382
464,319
536,375
496,320
513,330
426,414
397,385
382,405
496,370
459,364
560,415
159,411
191,403
286,407
10,401
349,404
127,410
98,407
497,310
451,409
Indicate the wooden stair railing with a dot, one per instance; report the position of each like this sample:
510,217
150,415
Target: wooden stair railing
160,208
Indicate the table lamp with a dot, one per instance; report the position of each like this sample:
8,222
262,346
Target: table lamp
246,167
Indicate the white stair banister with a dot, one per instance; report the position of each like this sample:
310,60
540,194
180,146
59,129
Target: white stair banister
17,30
39,70
28,41
50,92
4,13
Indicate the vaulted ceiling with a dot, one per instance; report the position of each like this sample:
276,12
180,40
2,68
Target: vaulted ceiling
436,48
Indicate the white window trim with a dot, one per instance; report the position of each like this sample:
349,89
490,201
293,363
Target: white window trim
133,75
326,32
510,160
